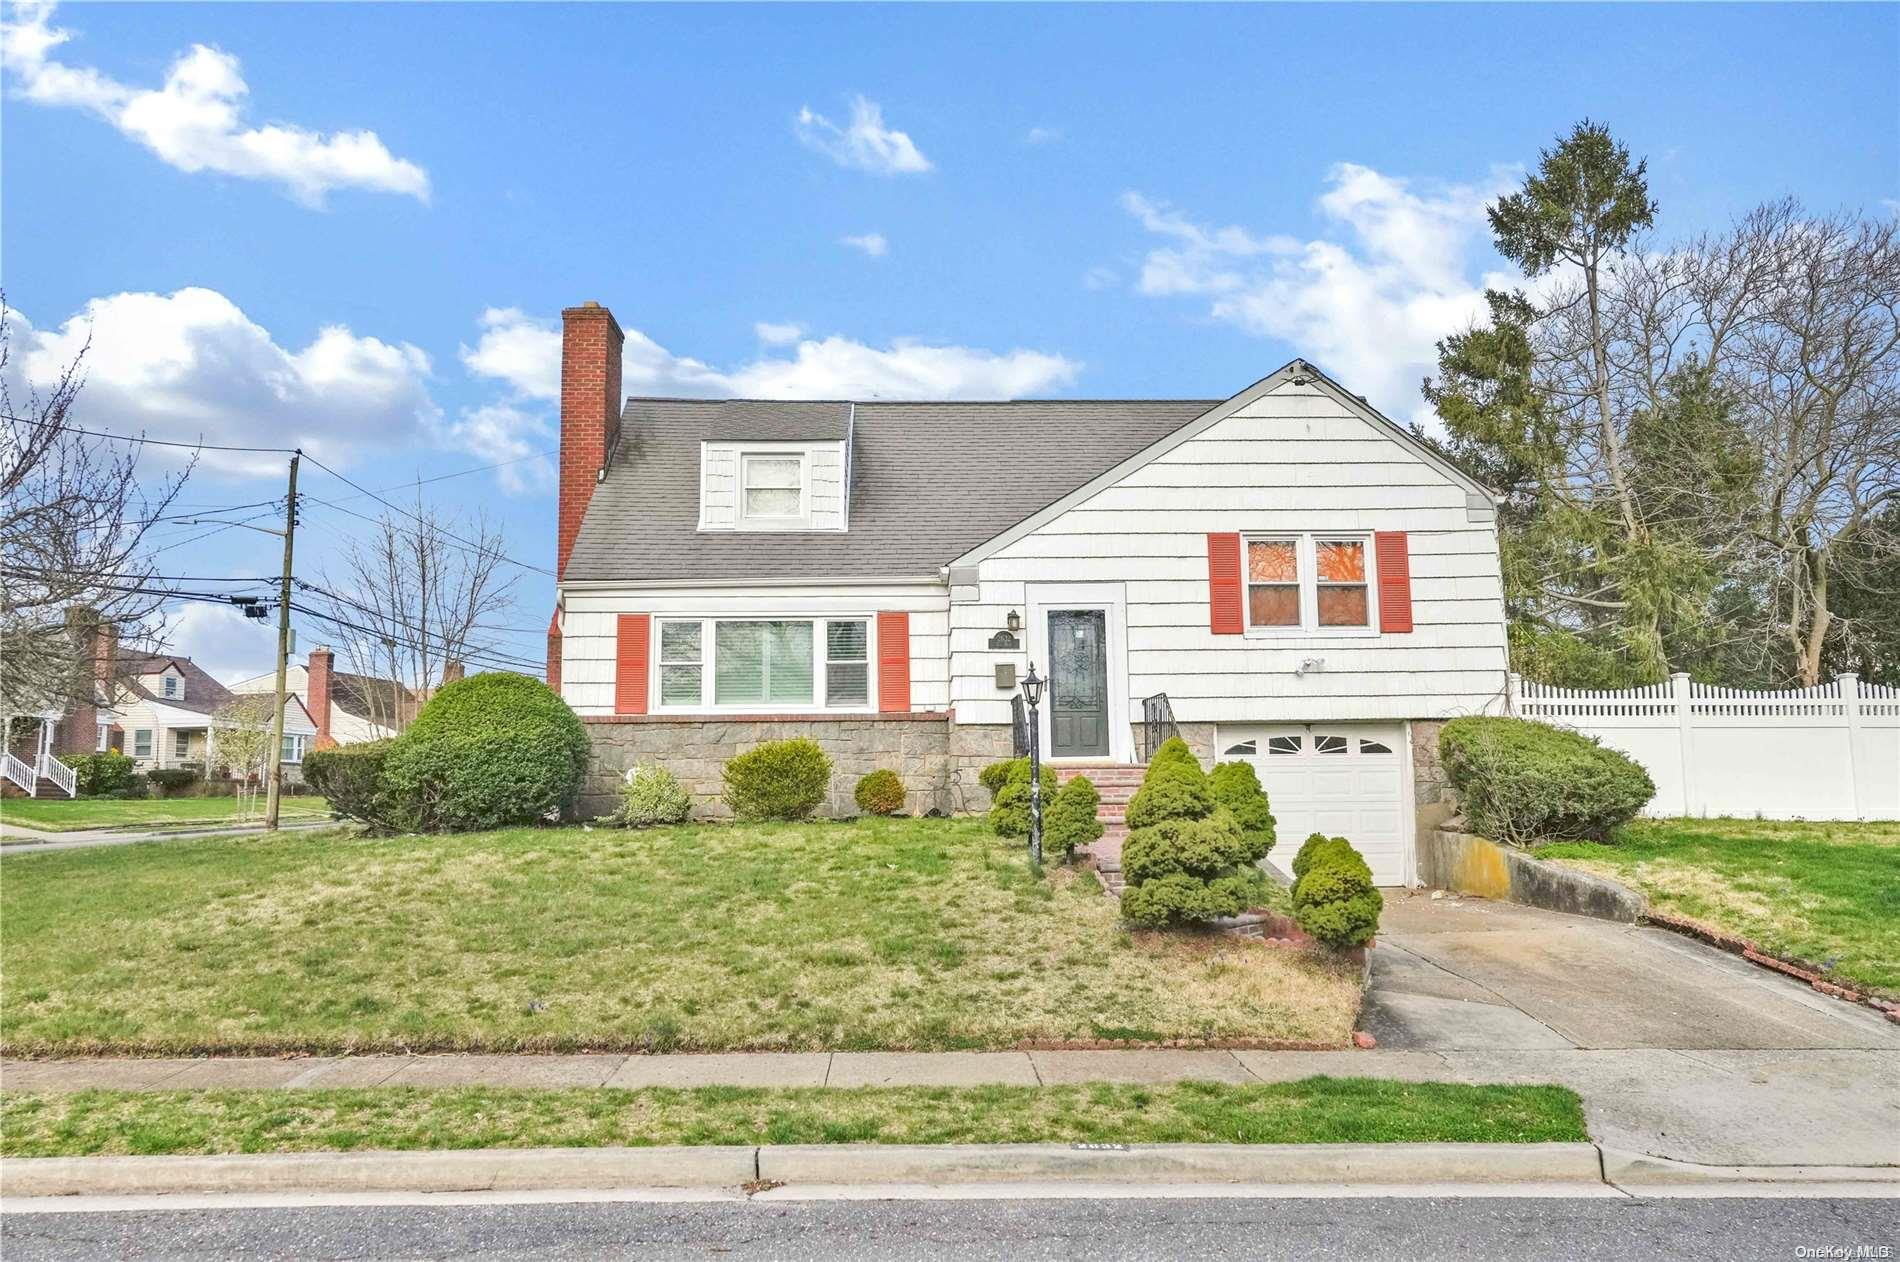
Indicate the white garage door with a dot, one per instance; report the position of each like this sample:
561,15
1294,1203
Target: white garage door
1343,779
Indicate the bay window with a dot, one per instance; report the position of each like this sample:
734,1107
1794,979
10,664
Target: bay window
764,664
1308,582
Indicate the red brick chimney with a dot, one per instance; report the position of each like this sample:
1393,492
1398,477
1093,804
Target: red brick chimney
590,412
317,693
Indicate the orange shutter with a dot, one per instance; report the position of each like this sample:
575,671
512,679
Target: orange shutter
893,663
1223,584
633,636
1395,580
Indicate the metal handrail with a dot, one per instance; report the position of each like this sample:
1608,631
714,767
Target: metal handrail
1019,727
1157,724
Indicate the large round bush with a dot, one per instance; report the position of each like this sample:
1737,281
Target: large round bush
1522,781
1334,899
488,751
1186,858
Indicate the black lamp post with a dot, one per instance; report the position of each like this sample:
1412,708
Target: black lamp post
1032,693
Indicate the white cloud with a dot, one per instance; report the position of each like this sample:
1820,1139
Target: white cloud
223,642
523,353
872,243
190,366
1369,301
509,435
778,334
1042,135
865,143
193,121
1101,277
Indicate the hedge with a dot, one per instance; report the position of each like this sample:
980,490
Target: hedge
351,778
1187,858
778,780
488,751
1522,781
108,771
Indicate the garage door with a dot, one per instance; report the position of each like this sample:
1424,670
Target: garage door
1344,780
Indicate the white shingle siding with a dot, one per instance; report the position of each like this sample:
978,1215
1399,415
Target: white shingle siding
1295,460
590,622
719,468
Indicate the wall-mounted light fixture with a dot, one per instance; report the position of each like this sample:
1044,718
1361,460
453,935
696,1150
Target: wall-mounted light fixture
1014,622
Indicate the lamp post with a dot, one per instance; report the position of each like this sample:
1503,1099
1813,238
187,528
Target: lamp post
1032,693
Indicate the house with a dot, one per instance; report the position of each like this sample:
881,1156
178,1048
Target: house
161,709
1282,576
346,708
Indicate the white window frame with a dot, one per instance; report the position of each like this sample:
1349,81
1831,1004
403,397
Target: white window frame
298,742
708,672
181,743
150,741
171,687
801,520
1306,553
105,737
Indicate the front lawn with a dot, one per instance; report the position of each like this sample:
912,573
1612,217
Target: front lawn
895,934
1828,893
1313,1111
59,815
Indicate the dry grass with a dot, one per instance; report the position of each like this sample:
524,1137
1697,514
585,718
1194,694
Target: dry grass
891,934
1828,893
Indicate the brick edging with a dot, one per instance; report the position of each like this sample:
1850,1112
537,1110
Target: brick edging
1751,951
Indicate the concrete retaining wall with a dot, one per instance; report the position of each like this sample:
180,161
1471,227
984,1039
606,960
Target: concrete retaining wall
1472,865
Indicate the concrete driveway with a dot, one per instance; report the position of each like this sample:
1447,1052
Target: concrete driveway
1678,1049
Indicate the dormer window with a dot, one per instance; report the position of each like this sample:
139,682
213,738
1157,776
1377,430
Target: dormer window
174,687
772,488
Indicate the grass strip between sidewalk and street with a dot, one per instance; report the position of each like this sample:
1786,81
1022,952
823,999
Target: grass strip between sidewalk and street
1313,1110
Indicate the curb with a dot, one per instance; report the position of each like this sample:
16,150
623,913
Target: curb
1623,1167
544,1169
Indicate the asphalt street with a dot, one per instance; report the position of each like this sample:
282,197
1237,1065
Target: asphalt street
976,1230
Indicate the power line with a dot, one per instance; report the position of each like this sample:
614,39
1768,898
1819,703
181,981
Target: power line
475,547
444,477
129,438
479,655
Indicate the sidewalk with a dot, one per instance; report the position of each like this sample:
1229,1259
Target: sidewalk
19,839
1758,1107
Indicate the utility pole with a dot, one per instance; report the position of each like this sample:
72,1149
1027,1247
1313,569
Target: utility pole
275,778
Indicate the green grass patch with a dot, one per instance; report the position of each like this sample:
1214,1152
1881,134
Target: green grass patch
1828,893
59,815
1312,1111
884,934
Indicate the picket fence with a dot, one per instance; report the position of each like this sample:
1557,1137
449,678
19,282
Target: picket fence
1827,752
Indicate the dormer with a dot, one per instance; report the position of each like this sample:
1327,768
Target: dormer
167,685
772,485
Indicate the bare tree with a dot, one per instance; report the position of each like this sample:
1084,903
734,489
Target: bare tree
414,597
241,741
73,524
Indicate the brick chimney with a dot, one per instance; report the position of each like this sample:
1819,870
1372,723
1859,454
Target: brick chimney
95,646
590,412
321,666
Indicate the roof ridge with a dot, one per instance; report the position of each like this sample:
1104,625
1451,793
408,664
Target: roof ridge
666,398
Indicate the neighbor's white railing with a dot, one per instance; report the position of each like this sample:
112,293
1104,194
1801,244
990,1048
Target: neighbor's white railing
1827,752
19,772
60,774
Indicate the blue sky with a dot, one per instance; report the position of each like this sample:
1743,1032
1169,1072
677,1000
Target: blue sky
353,227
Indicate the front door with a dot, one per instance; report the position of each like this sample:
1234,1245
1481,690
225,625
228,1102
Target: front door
1078,683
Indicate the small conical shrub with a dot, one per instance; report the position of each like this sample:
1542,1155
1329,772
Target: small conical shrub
1236,786
1187,858
1334,899
1070,821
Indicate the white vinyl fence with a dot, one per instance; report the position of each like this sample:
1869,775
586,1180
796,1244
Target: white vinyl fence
1827,752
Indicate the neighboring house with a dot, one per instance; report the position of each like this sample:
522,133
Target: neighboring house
1283,576
166,715
346,708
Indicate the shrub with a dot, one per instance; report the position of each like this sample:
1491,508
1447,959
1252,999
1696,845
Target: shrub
351,778
105,772
1069,820
652,795
1009,815
1334,899
1522,781
171,779
1236,786
1312,849
485,752
880,793
1187,858
778,780
135,789
996,775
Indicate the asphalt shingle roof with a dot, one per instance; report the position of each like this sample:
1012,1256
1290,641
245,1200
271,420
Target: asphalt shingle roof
932,481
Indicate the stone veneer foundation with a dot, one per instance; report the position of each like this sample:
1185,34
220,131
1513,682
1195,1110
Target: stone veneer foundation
937,759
